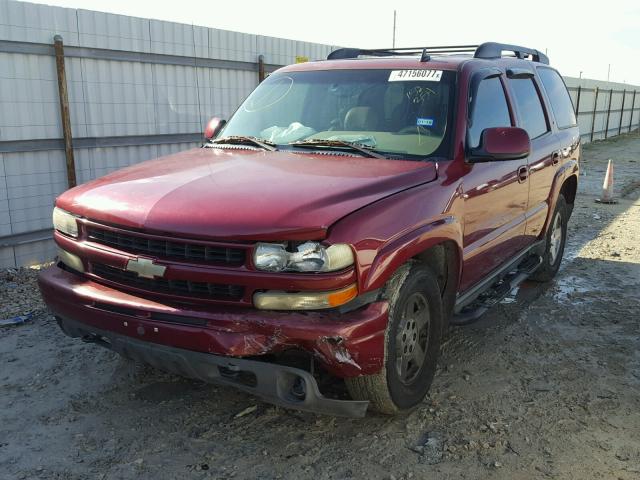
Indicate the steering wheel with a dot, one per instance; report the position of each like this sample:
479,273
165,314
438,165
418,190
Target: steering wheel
419,129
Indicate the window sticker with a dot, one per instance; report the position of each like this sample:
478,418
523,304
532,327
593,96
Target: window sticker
415,75
424,122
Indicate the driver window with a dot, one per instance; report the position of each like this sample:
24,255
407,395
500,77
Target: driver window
490,110
408,107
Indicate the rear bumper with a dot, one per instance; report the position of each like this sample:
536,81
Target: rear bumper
347,345
274,383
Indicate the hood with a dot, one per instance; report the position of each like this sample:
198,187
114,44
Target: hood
242,194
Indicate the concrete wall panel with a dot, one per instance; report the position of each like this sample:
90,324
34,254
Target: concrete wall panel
29,22
115,32
33,180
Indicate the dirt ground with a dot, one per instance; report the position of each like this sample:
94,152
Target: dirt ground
547,384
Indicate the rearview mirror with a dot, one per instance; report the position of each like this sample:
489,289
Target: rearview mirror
213,128
501,143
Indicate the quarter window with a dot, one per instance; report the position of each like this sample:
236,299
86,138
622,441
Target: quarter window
559,97
489,109
532,116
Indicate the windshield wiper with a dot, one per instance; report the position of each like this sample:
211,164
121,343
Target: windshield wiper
358,147
244,140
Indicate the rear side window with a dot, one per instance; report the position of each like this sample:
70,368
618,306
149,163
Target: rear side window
529,107
559,97
490,109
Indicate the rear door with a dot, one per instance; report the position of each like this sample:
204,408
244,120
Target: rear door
544,158
495,193
562,113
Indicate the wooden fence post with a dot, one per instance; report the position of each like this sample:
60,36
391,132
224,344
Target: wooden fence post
595,109
606,129
633,106
64,111
261,73
624,96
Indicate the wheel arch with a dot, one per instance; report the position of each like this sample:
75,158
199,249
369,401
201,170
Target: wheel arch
437,245
569,190
565,181
445,261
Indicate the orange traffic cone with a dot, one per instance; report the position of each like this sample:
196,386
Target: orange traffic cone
607,186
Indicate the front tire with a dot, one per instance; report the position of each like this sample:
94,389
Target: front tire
412,343
556,238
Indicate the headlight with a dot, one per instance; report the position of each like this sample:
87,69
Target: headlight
308,257
65,222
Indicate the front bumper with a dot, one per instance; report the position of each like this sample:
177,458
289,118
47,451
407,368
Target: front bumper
347,345
277,384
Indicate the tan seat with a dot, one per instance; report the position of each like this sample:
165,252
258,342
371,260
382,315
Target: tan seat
361,119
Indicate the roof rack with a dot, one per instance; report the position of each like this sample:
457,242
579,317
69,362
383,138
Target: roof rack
486,50
345,53
494,50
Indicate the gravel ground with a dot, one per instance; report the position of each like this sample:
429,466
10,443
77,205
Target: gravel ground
546,385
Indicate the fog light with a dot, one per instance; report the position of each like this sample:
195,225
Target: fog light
278,300
72,261
299,388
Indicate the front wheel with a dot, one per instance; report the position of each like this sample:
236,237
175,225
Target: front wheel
556,238
412,343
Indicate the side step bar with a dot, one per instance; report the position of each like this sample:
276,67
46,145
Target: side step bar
474,303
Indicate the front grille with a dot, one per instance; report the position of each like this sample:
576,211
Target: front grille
177,250
173,287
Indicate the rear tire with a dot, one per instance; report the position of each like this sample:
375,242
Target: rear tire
556,238
412,343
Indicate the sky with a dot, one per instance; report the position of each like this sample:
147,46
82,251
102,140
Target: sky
597,39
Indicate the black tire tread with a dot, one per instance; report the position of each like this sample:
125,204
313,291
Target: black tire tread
375,388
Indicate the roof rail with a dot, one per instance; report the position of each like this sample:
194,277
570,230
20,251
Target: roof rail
494,50
486,50
424,52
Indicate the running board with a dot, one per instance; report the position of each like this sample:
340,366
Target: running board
496,291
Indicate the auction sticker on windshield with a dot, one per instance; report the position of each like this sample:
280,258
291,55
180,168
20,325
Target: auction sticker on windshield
415,75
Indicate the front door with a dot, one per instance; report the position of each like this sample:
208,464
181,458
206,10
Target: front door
496,193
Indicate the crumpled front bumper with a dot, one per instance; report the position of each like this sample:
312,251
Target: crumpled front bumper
277,384
348,344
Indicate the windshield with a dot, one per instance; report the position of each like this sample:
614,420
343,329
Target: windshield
395,112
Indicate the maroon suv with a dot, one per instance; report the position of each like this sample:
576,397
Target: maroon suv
347,213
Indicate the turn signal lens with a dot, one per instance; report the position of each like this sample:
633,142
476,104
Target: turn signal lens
343,296
278,300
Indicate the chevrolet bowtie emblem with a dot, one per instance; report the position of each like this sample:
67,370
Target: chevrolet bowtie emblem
145,268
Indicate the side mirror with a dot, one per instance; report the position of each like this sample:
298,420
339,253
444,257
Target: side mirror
213,128
501,143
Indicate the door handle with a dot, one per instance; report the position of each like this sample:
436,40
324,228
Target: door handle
523,174
555,158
